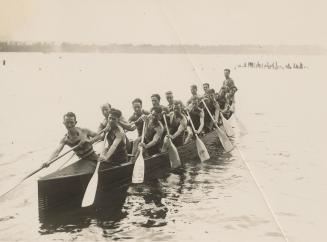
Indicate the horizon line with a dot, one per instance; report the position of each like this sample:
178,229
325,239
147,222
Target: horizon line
52,46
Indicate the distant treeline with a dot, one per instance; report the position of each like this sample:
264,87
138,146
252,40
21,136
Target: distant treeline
271,65
14,46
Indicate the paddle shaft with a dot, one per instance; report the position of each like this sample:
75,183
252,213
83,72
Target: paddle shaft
49,163
196,135
55,159
166,125
138,170
143,132
205,105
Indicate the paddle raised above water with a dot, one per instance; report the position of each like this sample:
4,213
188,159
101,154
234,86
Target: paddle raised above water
175,161
201,148
228,146
138,171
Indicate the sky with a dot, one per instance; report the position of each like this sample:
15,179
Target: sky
293,22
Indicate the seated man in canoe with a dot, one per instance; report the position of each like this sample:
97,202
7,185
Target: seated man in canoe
214,109
225,101
206,87
155,99
177,124
77,136
171,101
116,152
105,109
194,92
153,136
197,117
229,83
136,119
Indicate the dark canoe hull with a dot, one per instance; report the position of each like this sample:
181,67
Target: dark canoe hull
65,188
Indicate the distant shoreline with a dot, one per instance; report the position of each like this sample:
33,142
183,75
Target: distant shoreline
49,47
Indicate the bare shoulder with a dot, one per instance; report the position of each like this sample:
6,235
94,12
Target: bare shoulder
88,132
119,133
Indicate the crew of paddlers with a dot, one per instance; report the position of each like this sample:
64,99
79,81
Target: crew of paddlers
175,117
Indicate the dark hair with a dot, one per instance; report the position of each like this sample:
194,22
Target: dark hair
206,83
156,96
115,112
70,115
106,104
211,91
137,100
169,93
194,87
157,110
226,69
177,102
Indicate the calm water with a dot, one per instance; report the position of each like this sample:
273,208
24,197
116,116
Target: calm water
283,111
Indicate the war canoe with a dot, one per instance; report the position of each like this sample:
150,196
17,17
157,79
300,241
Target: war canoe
67,186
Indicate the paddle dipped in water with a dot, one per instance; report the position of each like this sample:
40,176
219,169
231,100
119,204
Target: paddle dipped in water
228,146
92,186
138,171
201,148
175,161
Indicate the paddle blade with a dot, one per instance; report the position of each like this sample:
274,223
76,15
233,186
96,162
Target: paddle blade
138,172
91,189
202,150
228,146
175,161
228,127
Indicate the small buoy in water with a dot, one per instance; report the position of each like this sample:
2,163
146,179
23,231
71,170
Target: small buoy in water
4,62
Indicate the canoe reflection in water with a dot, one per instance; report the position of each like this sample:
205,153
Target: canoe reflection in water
144,205
69,217
145,200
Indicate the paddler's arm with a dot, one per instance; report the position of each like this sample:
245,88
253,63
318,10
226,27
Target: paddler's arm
106,155
101,126
201,122
156,138
182,126
55,153
143,118
125,124
217,110
227,106
93,135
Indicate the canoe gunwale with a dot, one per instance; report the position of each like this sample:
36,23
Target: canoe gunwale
146,160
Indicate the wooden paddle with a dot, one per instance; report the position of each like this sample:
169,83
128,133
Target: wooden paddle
91,189
228,146
227,126
138,171
41,168
175,161
201,148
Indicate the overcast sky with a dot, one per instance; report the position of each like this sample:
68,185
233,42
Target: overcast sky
165,21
